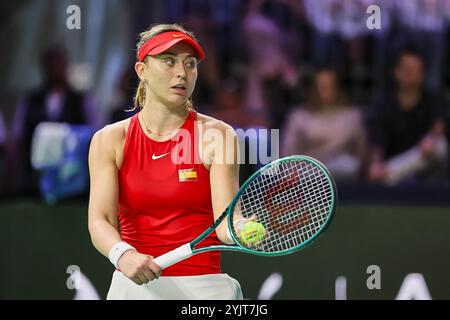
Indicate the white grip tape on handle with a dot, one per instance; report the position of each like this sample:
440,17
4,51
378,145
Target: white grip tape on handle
172,257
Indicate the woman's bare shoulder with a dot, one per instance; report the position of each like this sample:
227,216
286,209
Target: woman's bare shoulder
112,135
212,123
225,138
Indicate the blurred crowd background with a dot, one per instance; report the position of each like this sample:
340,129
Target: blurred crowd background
372,104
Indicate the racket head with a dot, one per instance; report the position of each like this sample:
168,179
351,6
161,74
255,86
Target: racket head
295,198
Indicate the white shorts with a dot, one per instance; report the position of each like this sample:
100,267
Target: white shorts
204,287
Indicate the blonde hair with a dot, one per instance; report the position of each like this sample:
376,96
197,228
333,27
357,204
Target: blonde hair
154,30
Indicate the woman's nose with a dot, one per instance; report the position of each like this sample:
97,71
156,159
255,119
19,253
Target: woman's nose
180,71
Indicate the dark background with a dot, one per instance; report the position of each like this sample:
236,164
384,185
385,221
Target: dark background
43,242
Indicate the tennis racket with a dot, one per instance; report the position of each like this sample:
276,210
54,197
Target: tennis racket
294,198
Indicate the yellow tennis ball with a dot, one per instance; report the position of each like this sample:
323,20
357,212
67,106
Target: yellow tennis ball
252,232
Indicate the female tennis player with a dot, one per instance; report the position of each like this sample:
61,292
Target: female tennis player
160,203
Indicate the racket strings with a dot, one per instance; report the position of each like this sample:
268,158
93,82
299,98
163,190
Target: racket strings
292,200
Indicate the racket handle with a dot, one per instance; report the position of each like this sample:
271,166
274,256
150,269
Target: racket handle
174,256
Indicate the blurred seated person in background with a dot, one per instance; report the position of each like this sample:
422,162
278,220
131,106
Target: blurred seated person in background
270,74
123,100
407,130
327,128
228,106
54,101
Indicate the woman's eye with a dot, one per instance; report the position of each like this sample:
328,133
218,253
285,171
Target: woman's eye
169,62
191,64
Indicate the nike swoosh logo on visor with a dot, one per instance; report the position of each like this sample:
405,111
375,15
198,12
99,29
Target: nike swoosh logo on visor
154,157
177,35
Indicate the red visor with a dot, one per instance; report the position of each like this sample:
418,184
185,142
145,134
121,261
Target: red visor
164,41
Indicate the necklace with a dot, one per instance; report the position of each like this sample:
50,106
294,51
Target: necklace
157,134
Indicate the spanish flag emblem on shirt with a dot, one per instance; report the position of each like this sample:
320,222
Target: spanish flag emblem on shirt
187,175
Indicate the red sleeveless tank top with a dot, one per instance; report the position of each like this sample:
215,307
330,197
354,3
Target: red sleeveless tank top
164,204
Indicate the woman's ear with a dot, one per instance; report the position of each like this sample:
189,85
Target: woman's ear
139,67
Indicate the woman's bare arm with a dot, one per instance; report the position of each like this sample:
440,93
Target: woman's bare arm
103,222
224,174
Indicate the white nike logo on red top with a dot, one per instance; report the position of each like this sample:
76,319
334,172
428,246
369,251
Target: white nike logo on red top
160,156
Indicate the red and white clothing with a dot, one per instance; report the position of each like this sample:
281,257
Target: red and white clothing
164,204
218,286
158,209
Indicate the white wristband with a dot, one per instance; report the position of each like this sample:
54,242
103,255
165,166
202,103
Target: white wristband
117,251
229,236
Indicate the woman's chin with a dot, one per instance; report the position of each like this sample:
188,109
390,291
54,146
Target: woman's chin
175,102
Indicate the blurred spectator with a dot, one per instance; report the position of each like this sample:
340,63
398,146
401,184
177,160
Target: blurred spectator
351,25
209,77
123,99
267,59
327,128
446,9
327,47
342,39
423,24
290,17
407,128
379,42
351,18
228,106
281,87
54,101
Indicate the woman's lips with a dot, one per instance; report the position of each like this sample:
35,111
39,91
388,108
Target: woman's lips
178,90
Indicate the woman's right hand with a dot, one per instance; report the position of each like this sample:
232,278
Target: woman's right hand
138,267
